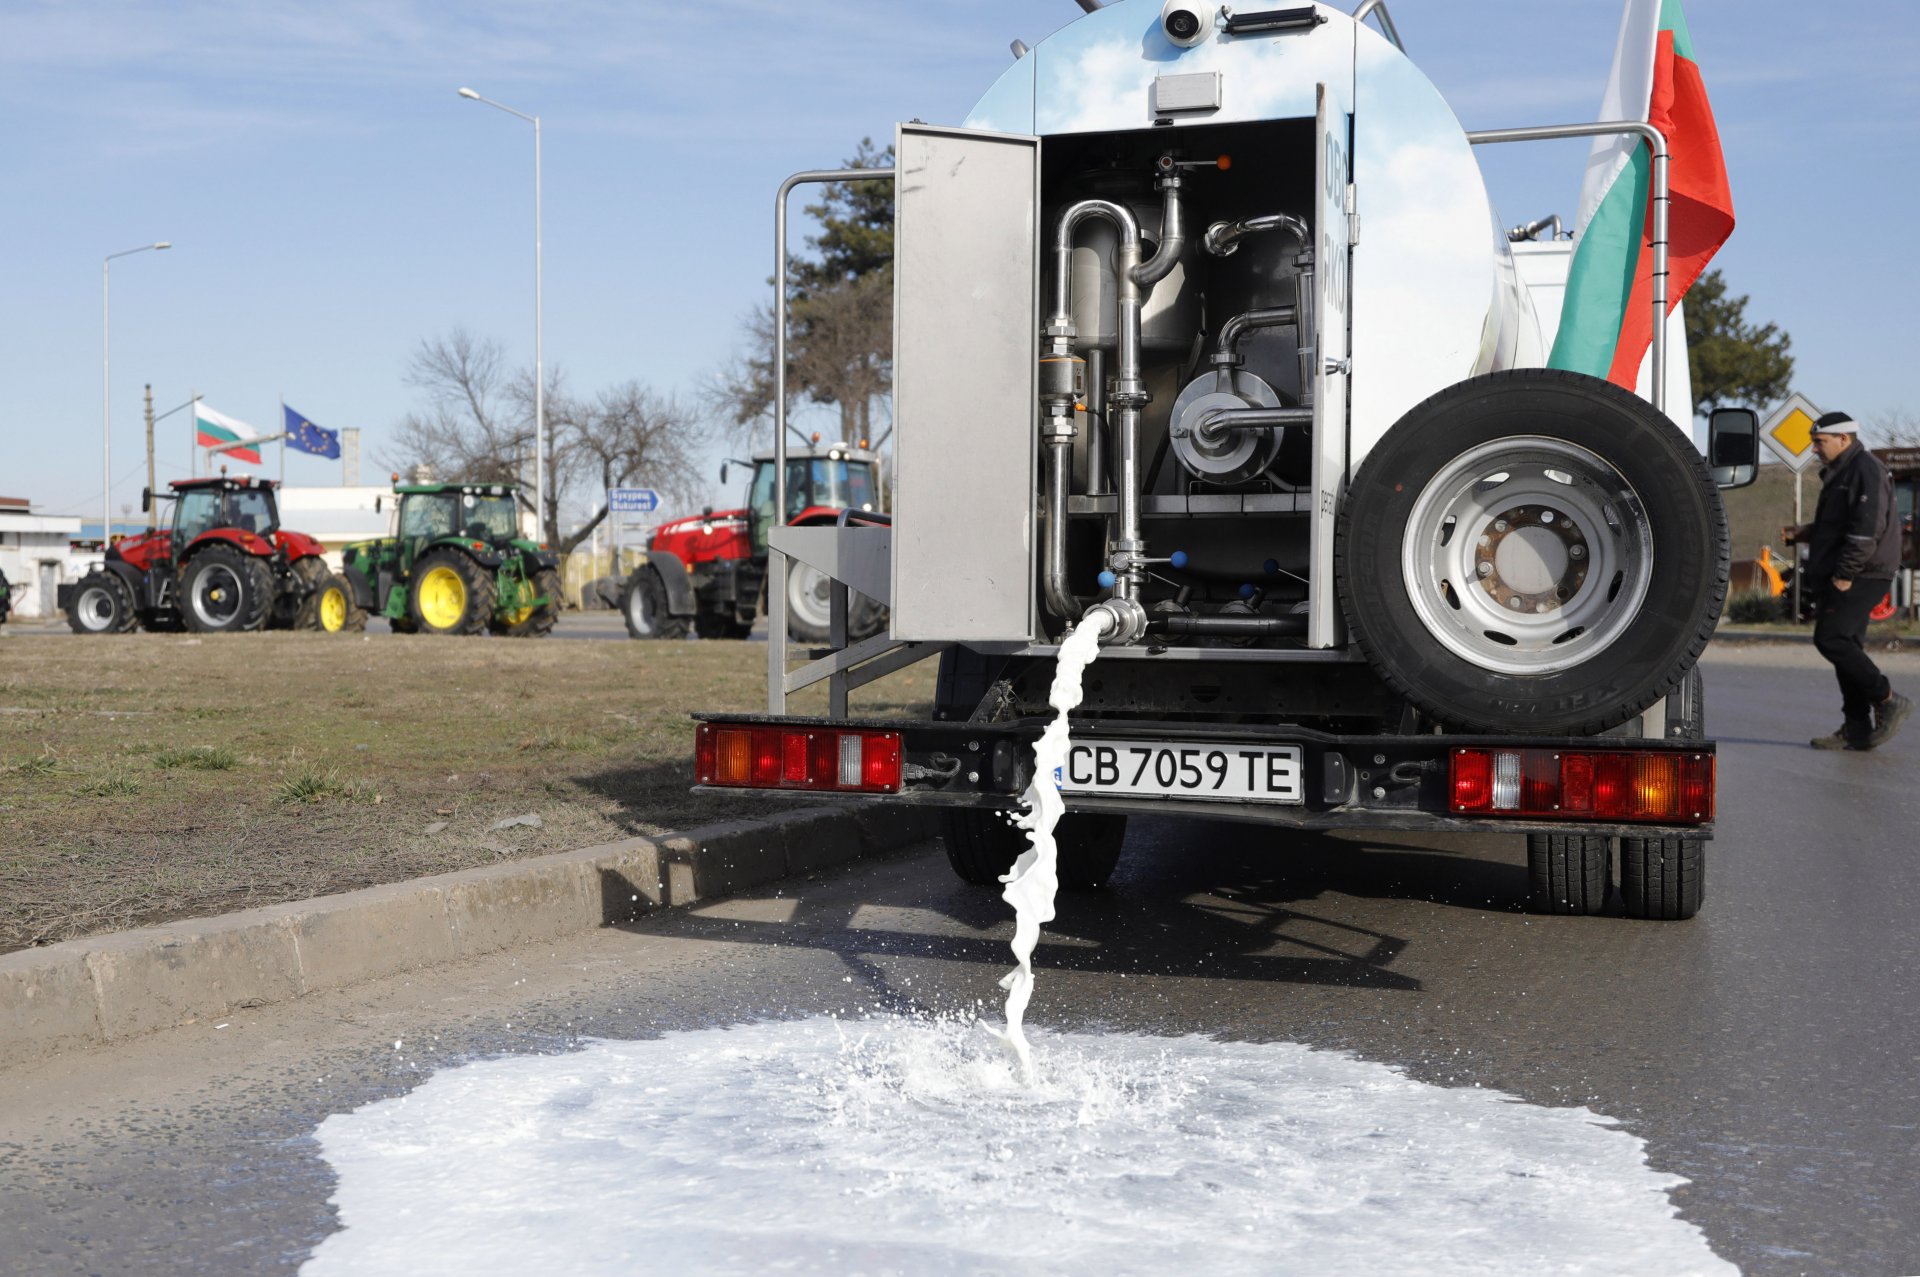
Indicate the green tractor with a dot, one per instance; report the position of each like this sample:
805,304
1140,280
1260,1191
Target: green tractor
457,565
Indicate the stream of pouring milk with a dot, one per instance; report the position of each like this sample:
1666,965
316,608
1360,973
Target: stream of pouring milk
1035,879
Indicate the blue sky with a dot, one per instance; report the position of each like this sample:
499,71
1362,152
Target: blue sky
332,202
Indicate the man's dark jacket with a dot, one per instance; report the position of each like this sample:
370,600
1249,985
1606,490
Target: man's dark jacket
1856,526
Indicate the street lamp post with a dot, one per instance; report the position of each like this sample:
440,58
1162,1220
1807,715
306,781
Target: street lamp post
106,382
539,361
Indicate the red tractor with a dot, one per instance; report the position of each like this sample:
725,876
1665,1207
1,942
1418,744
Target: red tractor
709,572
223,565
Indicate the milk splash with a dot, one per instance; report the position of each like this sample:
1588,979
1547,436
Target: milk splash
1034,879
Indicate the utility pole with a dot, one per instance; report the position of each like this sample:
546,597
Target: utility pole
152,514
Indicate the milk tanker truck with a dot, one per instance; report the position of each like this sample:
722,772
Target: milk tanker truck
1207,336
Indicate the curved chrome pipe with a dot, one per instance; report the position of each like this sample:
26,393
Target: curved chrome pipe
1173,237
1223,238
1221,422
1234,329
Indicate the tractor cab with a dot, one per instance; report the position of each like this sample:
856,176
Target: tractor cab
201,505
821,481
483,514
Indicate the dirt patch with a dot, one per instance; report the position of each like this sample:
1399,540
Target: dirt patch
149,778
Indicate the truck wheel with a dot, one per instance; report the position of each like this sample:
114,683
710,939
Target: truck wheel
1663,879
102,604
1532,551
534,622
809,603
226,591
450,594
982,846
1568,873
865,618
644,604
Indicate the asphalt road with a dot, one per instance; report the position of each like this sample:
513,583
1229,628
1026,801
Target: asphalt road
1768,1050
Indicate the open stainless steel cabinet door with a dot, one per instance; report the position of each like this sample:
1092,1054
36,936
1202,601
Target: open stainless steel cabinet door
1332,271
966,346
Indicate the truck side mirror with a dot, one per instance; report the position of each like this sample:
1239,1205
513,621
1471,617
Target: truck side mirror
1733,446
723,474
146,500
377,504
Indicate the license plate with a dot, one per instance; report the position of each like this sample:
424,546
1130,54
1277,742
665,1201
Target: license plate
1175,769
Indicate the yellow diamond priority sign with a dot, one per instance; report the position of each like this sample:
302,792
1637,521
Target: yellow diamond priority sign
1789,432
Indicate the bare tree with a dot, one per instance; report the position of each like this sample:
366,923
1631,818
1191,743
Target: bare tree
627,435
1896,428
478,427
472,427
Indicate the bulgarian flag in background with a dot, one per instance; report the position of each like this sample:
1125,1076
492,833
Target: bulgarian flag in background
1606,321
216,429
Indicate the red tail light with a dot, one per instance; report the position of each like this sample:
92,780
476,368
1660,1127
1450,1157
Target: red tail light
828,759
1650,786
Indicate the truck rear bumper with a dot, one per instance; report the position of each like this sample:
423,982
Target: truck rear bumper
1367,781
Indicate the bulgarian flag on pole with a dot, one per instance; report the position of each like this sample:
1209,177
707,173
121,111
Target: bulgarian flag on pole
1606,321
217,430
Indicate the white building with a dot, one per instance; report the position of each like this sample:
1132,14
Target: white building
337,516
36,556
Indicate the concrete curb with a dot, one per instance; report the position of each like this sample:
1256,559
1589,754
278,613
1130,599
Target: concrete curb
104,988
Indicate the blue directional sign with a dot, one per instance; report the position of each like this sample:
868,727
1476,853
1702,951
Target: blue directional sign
632,500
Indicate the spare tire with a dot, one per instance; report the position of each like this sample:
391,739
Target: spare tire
1532,551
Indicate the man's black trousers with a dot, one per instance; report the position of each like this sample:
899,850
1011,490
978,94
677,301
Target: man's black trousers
1840,632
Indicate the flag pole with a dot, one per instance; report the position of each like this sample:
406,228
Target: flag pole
193,437
283,441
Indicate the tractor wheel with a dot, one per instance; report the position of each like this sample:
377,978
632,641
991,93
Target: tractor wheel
450,594
534,622
1532,551
331,608
644,604
719,625
982,846
226,591
102,604
312,610
809,603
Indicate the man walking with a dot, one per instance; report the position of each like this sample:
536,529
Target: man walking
1853,550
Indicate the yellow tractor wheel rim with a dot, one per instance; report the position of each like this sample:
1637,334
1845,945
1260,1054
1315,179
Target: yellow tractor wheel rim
443,598
518,615
333,611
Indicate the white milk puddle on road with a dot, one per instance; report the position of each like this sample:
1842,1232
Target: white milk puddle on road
924,1146
914,1147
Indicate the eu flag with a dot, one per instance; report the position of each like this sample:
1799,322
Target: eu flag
304,436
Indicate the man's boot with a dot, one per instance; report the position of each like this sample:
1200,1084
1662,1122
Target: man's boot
1853,734
1887,717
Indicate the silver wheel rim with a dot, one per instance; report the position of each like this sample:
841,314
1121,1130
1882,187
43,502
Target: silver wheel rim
95,608
1527,555
809,595
217,595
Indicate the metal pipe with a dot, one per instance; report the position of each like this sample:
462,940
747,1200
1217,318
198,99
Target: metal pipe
1218,423
1096,422
1060,599
1657,142
1234,329
1129,228
777,559
1527,230
1386,21
1173,234
1223,238
1229,626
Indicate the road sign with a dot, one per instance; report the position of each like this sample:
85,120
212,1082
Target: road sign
1789,432
632,500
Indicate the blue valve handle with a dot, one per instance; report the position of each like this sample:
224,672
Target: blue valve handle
1107,580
